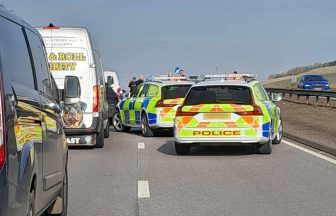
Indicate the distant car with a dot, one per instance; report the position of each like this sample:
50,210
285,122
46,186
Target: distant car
114,82
151,106
33,148
228,112
313,82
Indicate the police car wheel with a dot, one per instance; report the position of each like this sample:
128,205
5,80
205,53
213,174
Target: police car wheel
145,129
117,123
182,149
265,148
278,136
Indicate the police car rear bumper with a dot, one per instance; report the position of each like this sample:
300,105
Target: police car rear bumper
162,125
221,140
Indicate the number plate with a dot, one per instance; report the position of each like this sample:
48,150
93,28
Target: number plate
217,116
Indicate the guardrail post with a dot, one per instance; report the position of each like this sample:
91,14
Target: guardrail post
328,101
298,98
307,98
317,100
290,97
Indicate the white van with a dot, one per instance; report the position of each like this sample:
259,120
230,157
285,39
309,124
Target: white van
115,82
72,52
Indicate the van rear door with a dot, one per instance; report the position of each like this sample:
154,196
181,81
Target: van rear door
69,53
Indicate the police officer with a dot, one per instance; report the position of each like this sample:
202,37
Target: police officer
140,80
133,84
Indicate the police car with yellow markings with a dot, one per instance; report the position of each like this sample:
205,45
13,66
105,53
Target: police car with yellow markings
228,109
152,105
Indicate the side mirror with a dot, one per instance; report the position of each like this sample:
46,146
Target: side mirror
72,90
55,107
276,97
128,94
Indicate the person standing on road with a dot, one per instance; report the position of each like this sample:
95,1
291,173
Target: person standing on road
140,80
133,84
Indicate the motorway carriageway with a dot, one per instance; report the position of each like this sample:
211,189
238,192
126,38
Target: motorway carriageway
133,175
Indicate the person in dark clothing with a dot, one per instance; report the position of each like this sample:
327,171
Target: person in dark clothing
140,80
112,100
133,84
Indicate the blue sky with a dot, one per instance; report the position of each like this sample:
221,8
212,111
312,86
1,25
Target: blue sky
153,36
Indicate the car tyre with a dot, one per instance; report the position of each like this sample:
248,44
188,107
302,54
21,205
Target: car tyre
100,139
107,129
278,136
31,203
117,123
182,149
265,148
145,129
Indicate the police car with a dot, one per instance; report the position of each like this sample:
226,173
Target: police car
152,105
228,109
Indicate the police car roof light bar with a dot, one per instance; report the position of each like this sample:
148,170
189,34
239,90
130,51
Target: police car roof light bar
242,77
161,78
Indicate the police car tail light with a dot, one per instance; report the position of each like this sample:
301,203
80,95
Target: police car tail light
179,112
95,98
2,134
257,110
161,103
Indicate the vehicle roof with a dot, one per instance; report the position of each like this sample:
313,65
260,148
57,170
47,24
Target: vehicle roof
226,83
41,28
14,18
307,75
109,72
169,83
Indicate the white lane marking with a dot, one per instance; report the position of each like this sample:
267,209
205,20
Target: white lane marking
310,152
141,145
143,189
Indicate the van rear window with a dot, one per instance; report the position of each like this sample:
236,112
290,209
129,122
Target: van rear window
219,95
175,91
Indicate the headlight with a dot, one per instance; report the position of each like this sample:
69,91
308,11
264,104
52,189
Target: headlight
327,85
306,85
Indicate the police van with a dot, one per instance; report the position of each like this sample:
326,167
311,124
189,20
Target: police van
74,59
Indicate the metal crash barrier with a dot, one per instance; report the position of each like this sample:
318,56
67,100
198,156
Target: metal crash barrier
328,95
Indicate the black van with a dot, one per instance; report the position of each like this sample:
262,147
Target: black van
33,148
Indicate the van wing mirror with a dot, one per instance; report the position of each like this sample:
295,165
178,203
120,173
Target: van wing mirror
72,90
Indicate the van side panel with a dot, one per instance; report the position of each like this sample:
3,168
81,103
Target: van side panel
69,52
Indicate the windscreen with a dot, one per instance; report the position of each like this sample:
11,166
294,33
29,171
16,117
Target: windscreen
314,78
175,91
219,95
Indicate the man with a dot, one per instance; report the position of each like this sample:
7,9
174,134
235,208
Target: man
133,84
140,80
181,73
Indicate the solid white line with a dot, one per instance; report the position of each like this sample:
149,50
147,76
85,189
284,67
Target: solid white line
143,189
310,152
141,145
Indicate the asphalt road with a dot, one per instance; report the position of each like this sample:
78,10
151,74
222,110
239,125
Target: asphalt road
210,181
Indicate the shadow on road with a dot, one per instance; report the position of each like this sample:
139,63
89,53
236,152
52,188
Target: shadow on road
169,149
160,133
